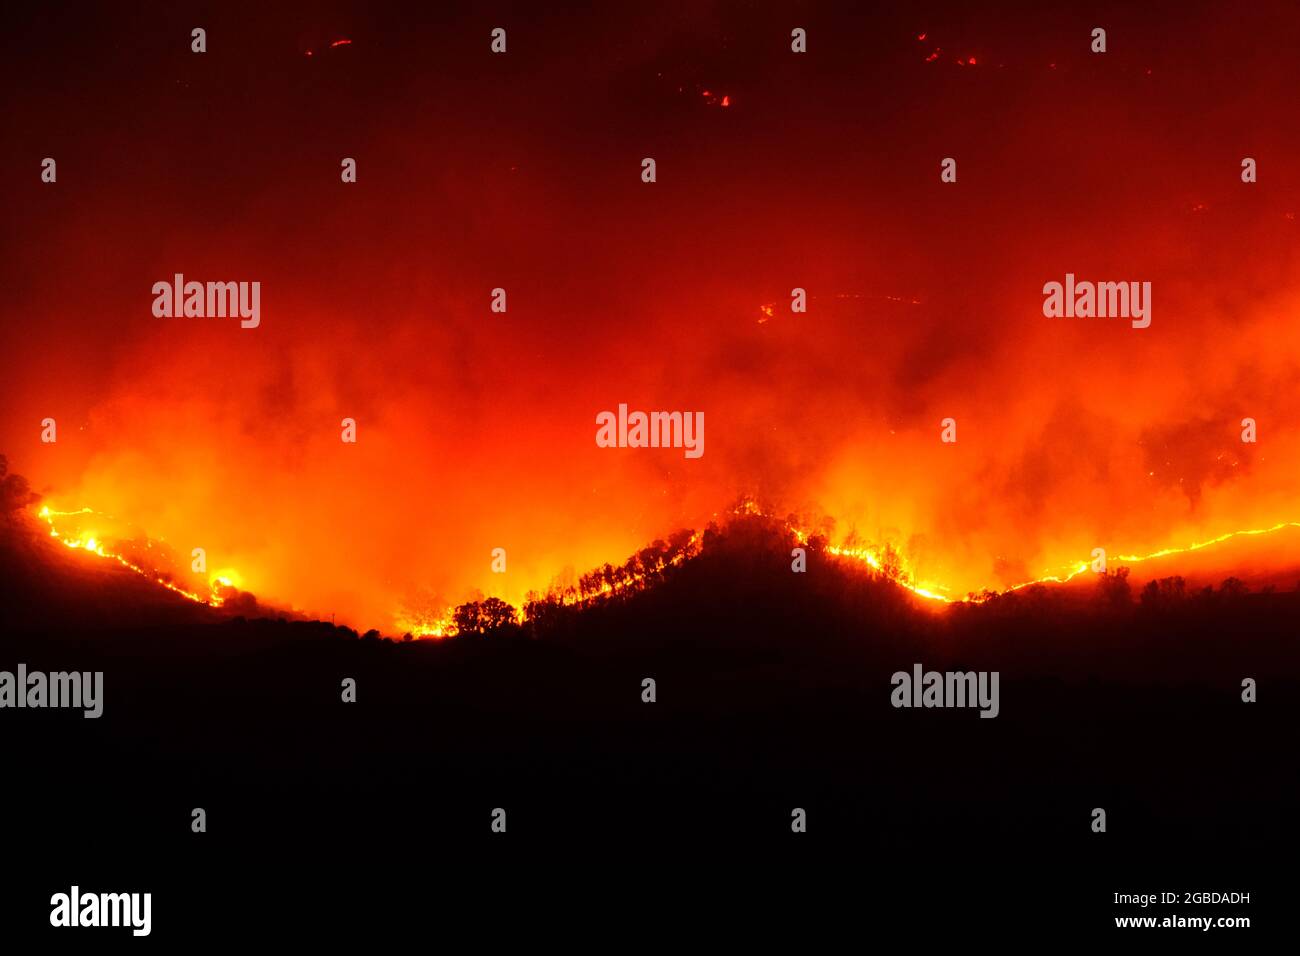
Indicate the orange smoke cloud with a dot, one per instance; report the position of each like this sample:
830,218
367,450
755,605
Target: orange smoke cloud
476,429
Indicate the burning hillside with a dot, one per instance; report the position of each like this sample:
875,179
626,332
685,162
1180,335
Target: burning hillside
1264,558
823,302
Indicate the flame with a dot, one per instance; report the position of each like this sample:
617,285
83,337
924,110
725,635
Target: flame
227,578
89,541
884,560
423,627
443,624
1073,571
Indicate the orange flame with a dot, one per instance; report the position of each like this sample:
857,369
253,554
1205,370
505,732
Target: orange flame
89,541
886,561
883,560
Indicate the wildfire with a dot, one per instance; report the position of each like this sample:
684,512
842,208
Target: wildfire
220,581
1073,571
595,589
421,627
899,576
884,560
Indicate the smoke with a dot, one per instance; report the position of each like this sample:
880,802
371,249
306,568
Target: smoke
476,429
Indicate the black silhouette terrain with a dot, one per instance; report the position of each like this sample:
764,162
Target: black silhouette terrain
773,693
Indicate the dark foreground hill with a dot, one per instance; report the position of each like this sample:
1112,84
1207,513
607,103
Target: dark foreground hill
773,692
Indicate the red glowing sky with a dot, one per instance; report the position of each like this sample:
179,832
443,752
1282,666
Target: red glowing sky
523,171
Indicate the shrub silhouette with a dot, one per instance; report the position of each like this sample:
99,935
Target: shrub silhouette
15,493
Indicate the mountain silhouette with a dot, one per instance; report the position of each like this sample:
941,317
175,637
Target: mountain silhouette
771,691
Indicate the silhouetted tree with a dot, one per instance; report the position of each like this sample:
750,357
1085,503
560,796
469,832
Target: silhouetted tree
15,493
1114,589
679,542
589,584
891,562
1164,593
1233,587
483,617
542,613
